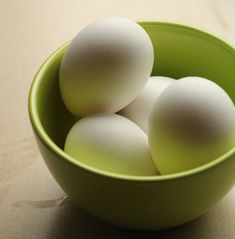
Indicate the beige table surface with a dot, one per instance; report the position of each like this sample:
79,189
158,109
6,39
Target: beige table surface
31,203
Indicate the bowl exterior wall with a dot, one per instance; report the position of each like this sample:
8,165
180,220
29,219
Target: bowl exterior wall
141,205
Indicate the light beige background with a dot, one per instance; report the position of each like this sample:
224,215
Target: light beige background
31,203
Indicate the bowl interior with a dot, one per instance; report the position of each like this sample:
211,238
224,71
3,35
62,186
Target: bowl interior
179,51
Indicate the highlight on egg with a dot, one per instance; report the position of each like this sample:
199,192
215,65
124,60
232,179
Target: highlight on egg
111,143
192,123
105,66
140,108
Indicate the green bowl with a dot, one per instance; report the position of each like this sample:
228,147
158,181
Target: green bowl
142,203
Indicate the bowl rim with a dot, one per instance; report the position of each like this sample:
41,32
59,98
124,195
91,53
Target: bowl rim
47,141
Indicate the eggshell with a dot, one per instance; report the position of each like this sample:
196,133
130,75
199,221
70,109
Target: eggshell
140,108
105,66
111,143
192,123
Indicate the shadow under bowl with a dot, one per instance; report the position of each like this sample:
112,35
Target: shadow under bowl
142,203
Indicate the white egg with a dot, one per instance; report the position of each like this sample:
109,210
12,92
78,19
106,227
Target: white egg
111,143
105,66
139,109
192,123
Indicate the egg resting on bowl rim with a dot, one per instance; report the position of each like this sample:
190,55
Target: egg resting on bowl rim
192,123
105,66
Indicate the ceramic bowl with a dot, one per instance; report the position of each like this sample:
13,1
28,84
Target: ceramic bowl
142,203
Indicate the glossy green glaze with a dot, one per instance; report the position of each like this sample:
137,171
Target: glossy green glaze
146,203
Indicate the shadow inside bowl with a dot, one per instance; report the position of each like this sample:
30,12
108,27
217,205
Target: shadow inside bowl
55,118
